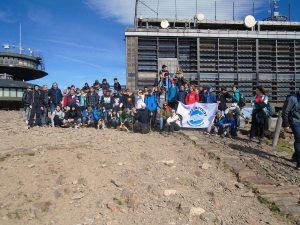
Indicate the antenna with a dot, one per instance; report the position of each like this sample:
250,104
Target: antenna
20,38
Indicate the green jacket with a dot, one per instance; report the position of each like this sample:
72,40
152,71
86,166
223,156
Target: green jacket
165,114
125,116
291,111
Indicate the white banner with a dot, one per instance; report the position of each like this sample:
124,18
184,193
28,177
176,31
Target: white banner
198,115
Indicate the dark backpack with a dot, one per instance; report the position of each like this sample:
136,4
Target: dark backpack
242,98
271,109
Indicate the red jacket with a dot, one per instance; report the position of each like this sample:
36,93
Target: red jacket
191,98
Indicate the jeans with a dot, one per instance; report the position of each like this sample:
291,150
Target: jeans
257,128
85,120
45,117
296,131
52,107
214,130
27,113
162,122
114,122
173,126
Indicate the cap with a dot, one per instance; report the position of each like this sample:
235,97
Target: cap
29,87
209,87
143,104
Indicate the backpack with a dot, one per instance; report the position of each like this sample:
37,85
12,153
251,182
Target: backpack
242,98
271,109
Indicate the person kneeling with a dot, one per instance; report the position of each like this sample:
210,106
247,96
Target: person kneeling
72,117
213,129
57,117
226,125
173,123
99,115
87,117
142,119
113,119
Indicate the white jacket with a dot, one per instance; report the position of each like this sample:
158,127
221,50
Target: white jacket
175,119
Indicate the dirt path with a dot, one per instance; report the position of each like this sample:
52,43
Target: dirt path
86,176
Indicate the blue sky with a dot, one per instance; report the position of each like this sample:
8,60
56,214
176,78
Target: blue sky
83,40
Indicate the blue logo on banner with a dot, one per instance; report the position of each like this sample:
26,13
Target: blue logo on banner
197,117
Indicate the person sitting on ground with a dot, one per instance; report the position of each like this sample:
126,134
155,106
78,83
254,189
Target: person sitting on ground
113,119
142,119
72,117
92,98
209,96
57,117
87,117
173,123
125,118
165,113
99,113
226,125
213,129
105,86
192,96
236,110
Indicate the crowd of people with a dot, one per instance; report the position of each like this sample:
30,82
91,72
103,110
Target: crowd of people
147,108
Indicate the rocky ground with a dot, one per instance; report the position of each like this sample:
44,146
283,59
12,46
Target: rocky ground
88,176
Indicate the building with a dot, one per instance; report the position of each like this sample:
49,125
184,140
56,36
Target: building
217,52
15,69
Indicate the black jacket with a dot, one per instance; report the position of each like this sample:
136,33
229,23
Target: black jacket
181,81
106,101
222,98
291,110
92,99
55,95
142,116
76,114
128,101
105,86
26,98
117,86
37,98
117,102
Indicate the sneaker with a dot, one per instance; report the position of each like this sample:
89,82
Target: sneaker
82,126
26,121
75,126
206,133
222,135
37,126
229,135
250,141
261,141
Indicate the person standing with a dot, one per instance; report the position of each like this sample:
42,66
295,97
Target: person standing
105,86
291,119
45,94
92,98
106,102
236,97
221,99
26,103
55,96
259,105
117,85
36,106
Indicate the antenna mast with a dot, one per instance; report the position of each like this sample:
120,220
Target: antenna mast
20,38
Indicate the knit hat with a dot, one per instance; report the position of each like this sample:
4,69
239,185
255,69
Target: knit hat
209,87
219,111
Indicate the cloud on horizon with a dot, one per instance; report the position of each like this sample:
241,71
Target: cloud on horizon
166,9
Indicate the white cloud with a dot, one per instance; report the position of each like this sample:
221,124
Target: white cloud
7,17
77,60
123,11
39,15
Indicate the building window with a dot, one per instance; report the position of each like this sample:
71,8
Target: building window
20,62
13,93
6,92
1,92
20,93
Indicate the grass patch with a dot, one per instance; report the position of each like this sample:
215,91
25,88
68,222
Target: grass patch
211,194
17,216
2,159
119,202
31,154
285,146
7,155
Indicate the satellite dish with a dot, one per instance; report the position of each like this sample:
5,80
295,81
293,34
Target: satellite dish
164,24
200,17
250,21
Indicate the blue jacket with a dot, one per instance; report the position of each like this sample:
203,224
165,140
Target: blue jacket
55,95
151,103
164,83
209,97
88,115
98,113
225,121
172,94
236,96
181,96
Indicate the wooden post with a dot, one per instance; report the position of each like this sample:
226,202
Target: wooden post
277,130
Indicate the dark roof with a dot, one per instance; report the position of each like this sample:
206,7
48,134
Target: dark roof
22,73
4,83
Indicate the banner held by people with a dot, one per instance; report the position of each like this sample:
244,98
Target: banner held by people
198,115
